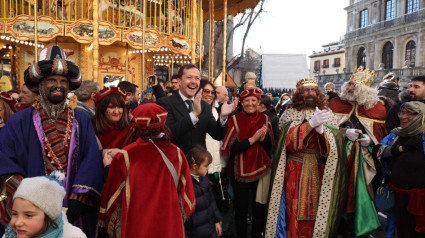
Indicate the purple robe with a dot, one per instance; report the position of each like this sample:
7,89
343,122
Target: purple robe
22,152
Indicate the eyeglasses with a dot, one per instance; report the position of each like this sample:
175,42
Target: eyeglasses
207,91
406,113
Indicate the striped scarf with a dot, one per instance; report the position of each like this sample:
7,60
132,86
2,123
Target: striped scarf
56,137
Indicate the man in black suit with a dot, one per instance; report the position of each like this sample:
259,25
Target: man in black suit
189,118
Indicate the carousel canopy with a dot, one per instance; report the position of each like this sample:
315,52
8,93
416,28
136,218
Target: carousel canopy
233,8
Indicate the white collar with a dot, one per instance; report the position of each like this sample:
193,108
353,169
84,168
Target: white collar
184,97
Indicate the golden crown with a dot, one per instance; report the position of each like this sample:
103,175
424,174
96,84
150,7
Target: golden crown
307,82
365,77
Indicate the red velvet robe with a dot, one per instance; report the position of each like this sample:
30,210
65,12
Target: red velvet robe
376,114
303,178
251,164
140,195
114,137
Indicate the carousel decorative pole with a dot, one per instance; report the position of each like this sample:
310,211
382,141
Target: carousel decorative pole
126,63
211,45
223,81
35,32
201,35
143,45
194,24
96,44
169,16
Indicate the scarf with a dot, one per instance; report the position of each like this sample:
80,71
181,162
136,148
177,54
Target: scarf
417,125
254,162
52,232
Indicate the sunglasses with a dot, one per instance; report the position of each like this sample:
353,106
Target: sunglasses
207,91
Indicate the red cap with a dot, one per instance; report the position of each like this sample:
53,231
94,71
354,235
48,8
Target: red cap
13,104
252,92
149,116
108,91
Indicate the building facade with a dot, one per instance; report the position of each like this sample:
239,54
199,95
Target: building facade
330,60
384,35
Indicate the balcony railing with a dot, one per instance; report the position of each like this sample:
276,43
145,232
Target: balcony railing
165,16
325,66
404,19
406,74
336,65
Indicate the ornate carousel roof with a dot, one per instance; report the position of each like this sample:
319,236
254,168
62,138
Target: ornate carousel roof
233,7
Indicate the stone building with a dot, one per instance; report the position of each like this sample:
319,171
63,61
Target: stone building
328,61
250,63
384,35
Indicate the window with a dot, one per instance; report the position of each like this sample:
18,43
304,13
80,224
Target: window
411,52
325,63
317,66
387,55
412,6
364,18
337,62
361,57
389,10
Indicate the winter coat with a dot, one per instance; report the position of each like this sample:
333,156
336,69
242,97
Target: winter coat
274,120
213,146
202,222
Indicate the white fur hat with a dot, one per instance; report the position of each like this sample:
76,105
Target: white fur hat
250,75
46,193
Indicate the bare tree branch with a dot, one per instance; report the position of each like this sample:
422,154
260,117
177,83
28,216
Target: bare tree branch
246,19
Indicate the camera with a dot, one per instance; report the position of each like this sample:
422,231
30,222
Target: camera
152,79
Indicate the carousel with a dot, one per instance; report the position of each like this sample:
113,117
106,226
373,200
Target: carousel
110,40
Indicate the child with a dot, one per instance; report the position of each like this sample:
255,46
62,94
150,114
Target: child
206,220
37,209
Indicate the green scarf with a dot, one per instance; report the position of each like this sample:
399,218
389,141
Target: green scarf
417,125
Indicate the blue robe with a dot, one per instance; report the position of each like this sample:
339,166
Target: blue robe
22,152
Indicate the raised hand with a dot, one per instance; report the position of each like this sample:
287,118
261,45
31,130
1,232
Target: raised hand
318,118
227,109
197,104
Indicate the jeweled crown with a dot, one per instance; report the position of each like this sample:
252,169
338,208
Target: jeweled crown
363,76
307,82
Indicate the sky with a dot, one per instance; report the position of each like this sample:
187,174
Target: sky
295,27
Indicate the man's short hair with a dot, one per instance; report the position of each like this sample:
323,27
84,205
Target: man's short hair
86,89
186,66
175,76
12,91
419,78
127,86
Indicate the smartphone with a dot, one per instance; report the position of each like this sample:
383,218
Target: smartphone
151,79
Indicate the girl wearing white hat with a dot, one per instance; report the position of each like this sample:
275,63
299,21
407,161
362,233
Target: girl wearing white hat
37,209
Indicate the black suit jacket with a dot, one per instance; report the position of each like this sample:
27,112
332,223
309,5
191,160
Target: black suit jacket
185,134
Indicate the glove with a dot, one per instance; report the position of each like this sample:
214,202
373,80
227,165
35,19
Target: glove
365,140
319,117
75,209
413,143
352,134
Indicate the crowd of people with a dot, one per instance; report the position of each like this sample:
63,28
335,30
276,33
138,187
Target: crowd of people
80,161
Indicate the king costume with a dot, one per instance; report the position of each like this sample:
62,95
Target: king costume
140,197
308,177
33,145
361,167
